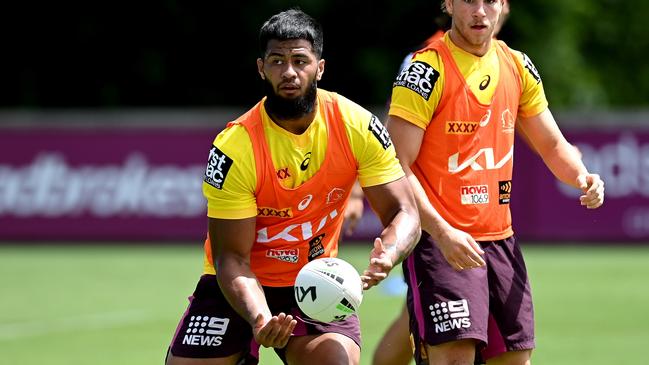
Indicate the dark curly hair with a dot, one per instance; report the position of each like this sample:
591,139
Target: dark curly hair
291,24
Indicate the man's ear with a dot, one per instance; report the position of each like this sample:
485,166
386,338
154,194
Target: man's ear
449,7
321,67
260,68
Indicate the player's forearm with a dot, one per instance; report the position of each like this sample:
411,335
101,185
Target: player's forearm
402,234
431,221
564,160
543,135
242,289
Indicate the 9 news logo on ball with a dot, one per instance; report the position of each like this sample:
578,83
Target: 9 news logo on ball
328,289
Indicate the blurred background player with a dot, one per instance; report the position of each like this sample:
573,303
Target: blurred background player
277,182
395,347
453,114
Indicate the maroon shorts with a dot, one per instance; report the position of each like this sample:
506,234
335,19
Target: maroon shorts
492,304
210,327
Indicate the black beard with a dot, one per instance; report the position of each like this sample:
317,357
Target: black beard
290,109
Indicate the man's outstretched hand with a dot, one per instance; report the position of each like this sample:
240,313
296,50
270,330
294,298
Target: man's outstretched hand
274,333
381,262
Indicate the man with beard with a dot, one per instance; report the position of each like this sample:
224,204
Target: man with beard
277,182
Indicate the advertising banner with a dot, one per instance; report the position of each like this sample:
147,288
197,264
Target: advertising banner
63,184
545,209
103,184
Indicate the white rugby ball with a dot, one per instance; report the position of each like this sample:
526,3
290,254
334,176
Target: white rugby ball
328,289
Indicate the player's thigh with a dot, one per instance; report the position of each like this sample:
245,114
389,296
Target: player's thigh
230,360
445,305
512,358
210,328
510,302
328,348
461,352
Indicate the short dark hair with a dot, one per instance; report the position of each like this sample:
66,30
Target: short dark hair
291,24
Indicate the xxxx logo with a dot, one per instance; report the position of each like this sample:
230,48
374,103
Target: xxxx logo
283,173
461,127
272,212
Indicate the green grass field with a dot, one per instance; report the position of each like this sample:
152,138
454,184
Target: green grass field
120,304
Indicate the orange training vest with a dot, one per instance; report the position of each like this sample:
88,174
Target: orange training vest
295,226
466,156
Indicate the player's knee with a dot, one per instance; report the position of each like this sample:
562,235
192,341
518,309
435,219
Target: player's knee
460,352
391,359
393,349
329,349
512,358
330,356
174,360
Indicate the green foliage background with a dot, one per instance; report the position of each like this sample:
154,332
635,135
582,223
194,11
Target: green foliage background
591,54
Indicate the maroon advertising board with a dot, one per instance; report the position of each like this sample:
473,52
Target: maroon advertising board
102,184
545,209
